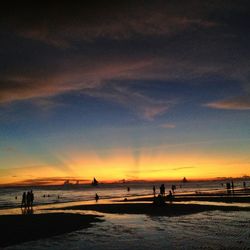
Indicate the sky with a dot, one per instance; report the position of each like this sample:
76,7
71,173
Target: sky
134,90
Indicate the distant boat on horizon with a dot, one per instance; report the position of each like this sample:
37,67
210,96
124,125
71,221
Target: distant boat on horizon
67,183
94,182
184,180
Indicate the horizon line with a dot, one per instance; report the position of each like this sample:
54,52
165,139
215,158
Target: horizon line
60,181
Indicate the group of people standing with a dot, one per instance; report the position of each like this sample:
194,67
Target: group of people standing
27,199
161,198
162,190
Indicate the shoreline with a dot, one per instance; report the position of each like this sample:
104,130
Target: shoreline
240,195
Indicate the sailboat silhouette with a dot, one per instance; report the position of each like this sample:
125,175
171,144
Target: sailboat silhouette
94,182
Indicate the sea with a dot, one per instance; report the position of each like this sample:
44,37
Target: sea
205,230
11,197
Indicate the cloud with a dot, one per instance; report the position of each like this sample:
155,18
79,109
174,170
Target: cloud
237,103
43,181
145,106
47,52
167,125
76,76
134,173
46,104
181,168
52,181
34,172
157,24
112,20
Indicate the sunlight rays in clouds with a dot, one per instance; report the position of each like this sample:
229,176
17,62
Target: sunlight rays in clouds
157,163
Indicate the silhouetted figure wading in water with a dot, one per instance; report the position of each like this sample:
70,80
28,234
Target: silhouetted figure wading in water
154,190
228,188
96,197
173,188
162,190
170,196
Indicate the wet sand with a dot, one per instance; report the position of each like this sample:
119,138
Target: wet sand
16,229
144,205
151,209
21,228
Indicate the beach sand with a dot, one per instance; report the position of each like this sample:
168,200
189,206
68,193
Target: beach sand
16,229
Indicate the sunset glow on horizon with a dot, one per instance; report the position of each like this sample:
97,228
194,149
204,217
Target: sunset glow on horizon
142,164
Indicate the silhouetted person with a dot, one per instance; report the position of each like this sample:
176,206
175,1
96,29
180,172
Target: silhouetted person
170,196
162,189
96,197
244,184
159,200
28,200
31,198
154,190
228,188
24,200
232,185
128,188
173,188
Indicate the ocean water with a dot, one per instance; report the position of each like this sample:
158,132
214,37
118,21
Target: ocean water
11,197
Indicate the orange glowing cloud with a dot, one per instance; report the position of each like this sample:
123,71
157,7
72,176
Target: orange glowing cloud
237,103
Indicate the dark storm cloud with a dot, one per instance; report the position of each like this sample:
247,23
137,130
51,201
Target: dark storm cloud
49,49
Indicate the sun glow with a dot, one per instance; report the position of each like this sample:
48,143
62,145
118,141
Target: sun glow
125,164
